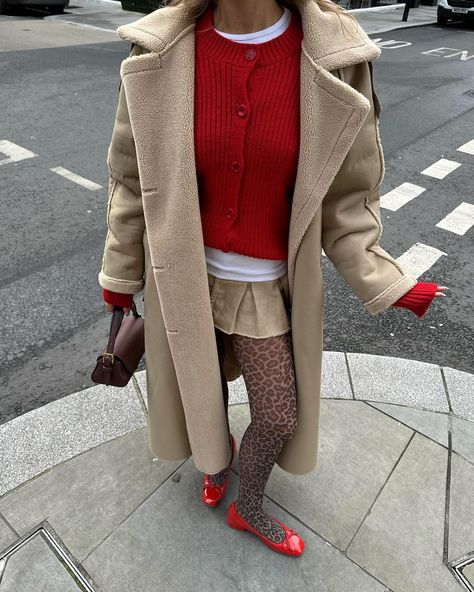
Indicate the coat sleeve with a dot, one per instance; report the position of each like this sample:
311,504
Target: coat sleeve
123,256
351,225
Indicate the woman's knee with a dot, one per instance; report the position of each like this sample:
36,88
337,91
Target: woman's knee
279,422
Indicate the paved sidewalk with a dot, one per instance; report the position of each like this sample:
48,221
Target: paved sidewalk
85,506
389,18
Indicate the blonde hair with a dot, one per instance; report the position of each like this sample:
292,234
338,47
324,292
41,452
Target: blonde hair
199,6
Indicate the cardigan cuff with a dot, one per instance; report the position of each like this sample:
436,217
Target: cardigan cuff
117,298
419,298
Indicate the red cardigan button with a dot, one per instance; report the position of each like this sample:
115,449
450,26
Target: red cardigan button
242,111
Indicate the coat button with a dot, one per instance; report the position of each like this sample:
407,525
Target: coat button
242,110
229,213
250,54
236,166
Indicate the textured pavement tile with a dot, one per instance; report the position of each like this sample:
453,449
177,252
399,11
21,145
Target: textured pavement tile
7,536
335,377
174,542
396,380
463,437
401,540
85,498
461,514
40,439
358,447
461,392
434,425
34,567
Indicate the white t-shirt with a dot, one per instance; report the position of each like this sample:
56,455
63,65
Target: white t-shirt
234,266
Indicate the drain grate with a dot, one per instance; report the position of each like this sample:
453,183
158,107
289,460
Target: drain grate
464,571
39,559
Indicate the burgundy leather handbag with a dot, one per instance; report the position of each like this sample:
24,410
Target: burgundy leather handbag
124,351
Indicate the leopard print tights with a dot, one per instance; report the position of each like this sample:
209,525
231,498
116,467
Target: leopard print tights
268,372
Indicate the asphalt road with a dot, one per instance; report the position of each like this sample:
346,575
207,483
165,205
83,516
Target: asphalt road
59,103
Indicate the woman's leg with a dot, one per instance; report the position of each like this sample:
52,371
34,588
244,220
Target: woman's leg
268,371
220,477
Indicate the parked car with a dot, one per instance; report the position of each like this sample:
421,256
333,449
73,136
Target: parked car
455,10
54,6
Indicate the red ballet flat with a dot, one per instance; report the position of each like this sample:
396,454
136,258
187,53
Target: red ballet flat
292,545
212,494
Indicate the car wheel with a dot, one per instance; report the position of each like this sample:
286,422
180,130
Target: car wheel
56,9
441,21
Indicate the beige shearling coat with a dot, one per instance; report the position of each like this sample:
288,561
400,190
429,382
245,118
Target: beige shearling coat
154,240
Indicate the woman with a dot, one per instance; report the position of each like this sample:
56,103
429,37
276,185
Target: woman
246,137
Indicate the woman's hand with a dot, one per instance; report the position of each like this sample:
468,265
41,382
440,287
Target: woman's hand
110,308
441,293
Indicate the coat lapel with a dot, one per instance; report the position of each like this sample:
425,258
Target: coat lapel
332,114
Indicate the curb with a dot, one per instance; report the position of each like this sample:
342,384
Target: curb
56,432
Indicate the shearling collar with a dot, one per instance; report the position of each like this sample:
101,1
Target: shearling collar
325,41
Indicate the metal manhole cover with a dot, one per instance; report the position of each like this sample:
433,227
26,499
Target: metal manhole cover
464,572
39,561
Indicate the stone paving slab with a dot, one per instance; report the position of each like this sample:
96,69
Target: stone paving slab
86,498
358,448
461,392
463,437
7,536
431,424
397,380
461,509
335,381
42,438
401,540
174,542
34,567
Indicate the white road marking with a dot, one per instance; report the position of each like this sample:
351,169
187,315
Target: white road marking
459,220
13,152
468,147
401,195
391,43
439,51
83,25
76,178
441,168
419,258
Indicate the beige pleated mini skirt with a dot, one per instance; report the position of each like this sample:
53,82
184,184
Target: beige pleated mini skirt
253,309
